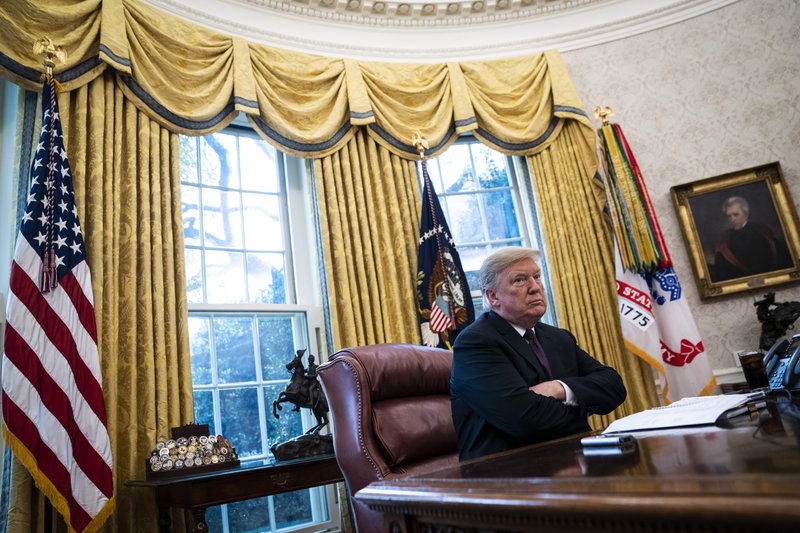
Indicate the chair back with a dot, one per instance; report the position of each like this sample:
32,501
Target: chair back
390,415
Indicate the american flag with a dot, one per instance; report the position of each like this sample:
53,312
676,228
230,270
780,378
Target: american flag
53,409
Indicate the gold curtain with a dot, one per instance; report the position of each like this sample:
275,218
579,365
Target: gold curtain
125,174
580,259
368,202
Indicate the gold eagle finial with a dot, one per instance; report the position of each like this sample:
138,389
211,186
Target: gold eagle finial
603,113
54,55
420,143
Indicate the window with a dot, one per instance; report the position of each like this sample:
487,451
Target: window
247,315
486,206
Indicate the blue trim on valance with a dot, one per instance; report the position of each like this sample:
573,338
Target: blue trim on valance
35,75
409,149
299,147
569,109
466,121
197,125
124,61
361,115
245,102
514,147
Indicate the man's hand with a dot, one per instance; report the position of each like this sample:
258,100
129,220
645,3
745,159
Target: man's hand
554,389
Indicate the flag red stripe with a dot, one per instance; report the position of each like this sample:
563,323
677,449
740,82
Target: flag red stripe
59,335
82,305
58,403
23,428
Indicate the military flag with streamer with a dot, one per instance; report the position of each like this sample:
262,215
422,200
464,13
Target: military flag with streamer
54,415
657,323
445,305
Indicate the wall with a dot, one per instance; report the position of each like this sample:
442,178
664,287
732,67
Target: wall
708,96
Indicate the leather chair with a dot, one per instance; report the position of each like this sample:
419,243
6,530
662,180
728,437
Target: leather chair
390,416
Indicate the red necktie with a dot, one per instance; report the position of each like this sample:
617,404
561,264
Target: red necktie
530,336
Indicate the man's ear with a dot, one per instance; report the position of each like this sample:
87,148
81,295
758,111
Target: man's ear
492,297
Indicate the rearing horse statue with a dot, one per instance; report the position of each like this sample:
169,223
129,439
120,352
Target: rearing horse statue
304,390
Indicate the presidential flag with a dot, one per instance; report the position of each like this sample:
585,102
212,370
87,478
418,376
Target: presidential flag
657,323
445,305
54,416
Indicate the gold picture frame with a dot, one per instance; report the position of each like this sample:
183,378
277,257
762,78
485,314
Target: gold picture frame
726,256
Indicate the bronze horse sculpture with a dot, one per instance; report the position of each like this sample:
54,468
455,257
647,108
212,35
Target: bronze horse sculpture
304,390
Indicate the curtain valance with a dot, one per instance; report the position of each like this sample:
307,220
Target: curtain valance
194,80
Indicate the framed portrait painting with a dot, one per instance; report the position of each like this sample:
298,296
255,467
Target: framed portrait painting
741,230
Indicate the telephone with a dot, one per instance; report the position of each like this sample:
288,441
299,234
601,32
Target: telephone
782,363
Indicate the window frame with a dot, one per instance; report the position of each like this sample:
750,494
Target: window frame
301,298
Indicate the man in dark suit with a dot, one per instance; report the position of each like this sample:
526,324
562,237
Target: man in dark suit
502,394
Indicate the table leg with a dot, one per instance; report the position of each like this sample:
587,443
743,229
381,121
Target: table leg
164,520
199,516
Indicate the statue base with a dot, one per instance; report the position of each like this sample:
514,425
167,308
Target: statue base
303,446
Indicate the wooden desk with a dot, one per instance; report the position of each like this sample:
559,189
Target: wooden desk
251,479
742,478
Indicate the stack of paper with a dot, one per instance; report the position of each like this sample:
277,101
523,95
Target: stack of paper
692,411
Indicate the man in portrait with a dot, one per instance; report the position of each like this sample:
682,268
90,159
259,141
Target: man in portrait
745,247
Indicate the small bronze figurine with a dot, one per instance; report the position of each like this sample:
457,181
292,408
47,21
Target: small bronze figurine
304,390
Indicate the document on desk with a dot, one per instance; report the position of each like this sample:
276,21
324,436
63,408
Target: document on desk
692,411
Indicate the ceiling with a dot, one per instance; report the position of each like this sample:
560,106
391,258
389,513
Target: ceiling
434,30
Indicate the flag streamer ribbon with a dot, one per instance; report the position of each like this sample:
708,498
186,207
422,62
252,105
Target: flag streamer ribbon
641,243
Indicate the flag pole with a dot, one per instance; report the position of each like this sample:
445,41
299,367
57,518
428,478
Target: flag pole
53,55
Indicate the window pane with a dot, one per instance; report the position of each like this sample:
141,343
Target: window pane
218,161
290,423
188,159
194,278
262,222
501,216
490,167
266,278
204,408
225,277
276,342
292,508
240,422
199,348
233,341
465,220
471,259
457,169
249,515
190,209
222,222
259,171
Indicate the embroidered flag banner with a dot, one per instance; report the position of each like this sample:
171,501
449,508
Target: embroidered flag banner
445,305
656,320
54,416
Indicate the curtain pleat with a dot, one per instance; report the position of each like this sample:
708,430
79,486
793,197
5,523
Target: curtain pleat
579,256
368,205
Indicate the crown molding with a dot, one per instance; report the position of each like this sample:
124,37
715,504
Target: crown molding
503,28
